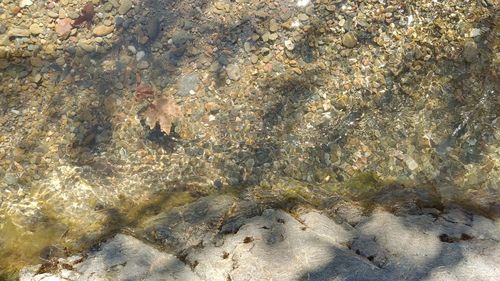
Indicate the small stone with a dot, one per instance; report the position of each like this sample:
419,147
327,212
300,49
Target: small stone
212,107
4,40
273,36
50,48
247,47
37,78
132,49
10,179
143,64
303,17
36,29
233,72
475,32
220,5
470,52
15,10
273,25
254,59
119,21
187,84
140,55
125,6
60,61
349,40
289,45
52,14
86,45
36,61
153,28
265,36
409,161
63,27
25,3
18,32
103,30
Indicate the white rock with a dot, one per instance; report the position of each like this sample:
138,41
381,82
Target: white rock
132,49
475,32
289,45
140,55
25,3
410,162
303,3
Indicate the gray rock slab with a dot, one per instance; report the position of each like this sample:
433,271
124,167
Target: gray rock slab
416,247
276,246
223,238
200,221
121,258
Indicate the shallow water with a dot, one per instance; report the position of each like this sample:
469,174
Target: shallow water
300,116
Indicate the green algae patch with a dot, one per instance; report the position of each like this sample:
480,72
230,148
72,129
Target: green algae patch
359,186
288,190
154,205
20,246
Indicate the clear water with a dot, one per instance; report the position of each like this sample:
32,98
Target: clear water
78,161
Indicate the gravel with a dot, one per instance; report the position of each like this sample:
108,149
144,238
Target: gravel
327,99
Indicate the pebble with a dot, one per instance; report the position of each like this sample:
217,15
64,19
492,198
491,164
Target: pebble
143,64
36,29
475,32
303,17
254,59
4,40
86,45
63,27
273,36
119,21
36,61
140,55
50,48
470,52
153,28
187,84
18,32
25,3
211,107
410,162
60,61
132,49
107,7
52,14
125,6
103,30
233,71
273,25
115,3
289,45
37,78
349,40
247,47
265,36
10,179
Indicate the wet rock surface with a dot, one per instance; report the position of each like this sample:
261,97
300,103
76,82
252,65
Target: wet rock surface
272,244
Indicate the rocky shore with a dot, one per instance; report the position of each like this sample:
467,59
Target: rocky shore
111,110
222,238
